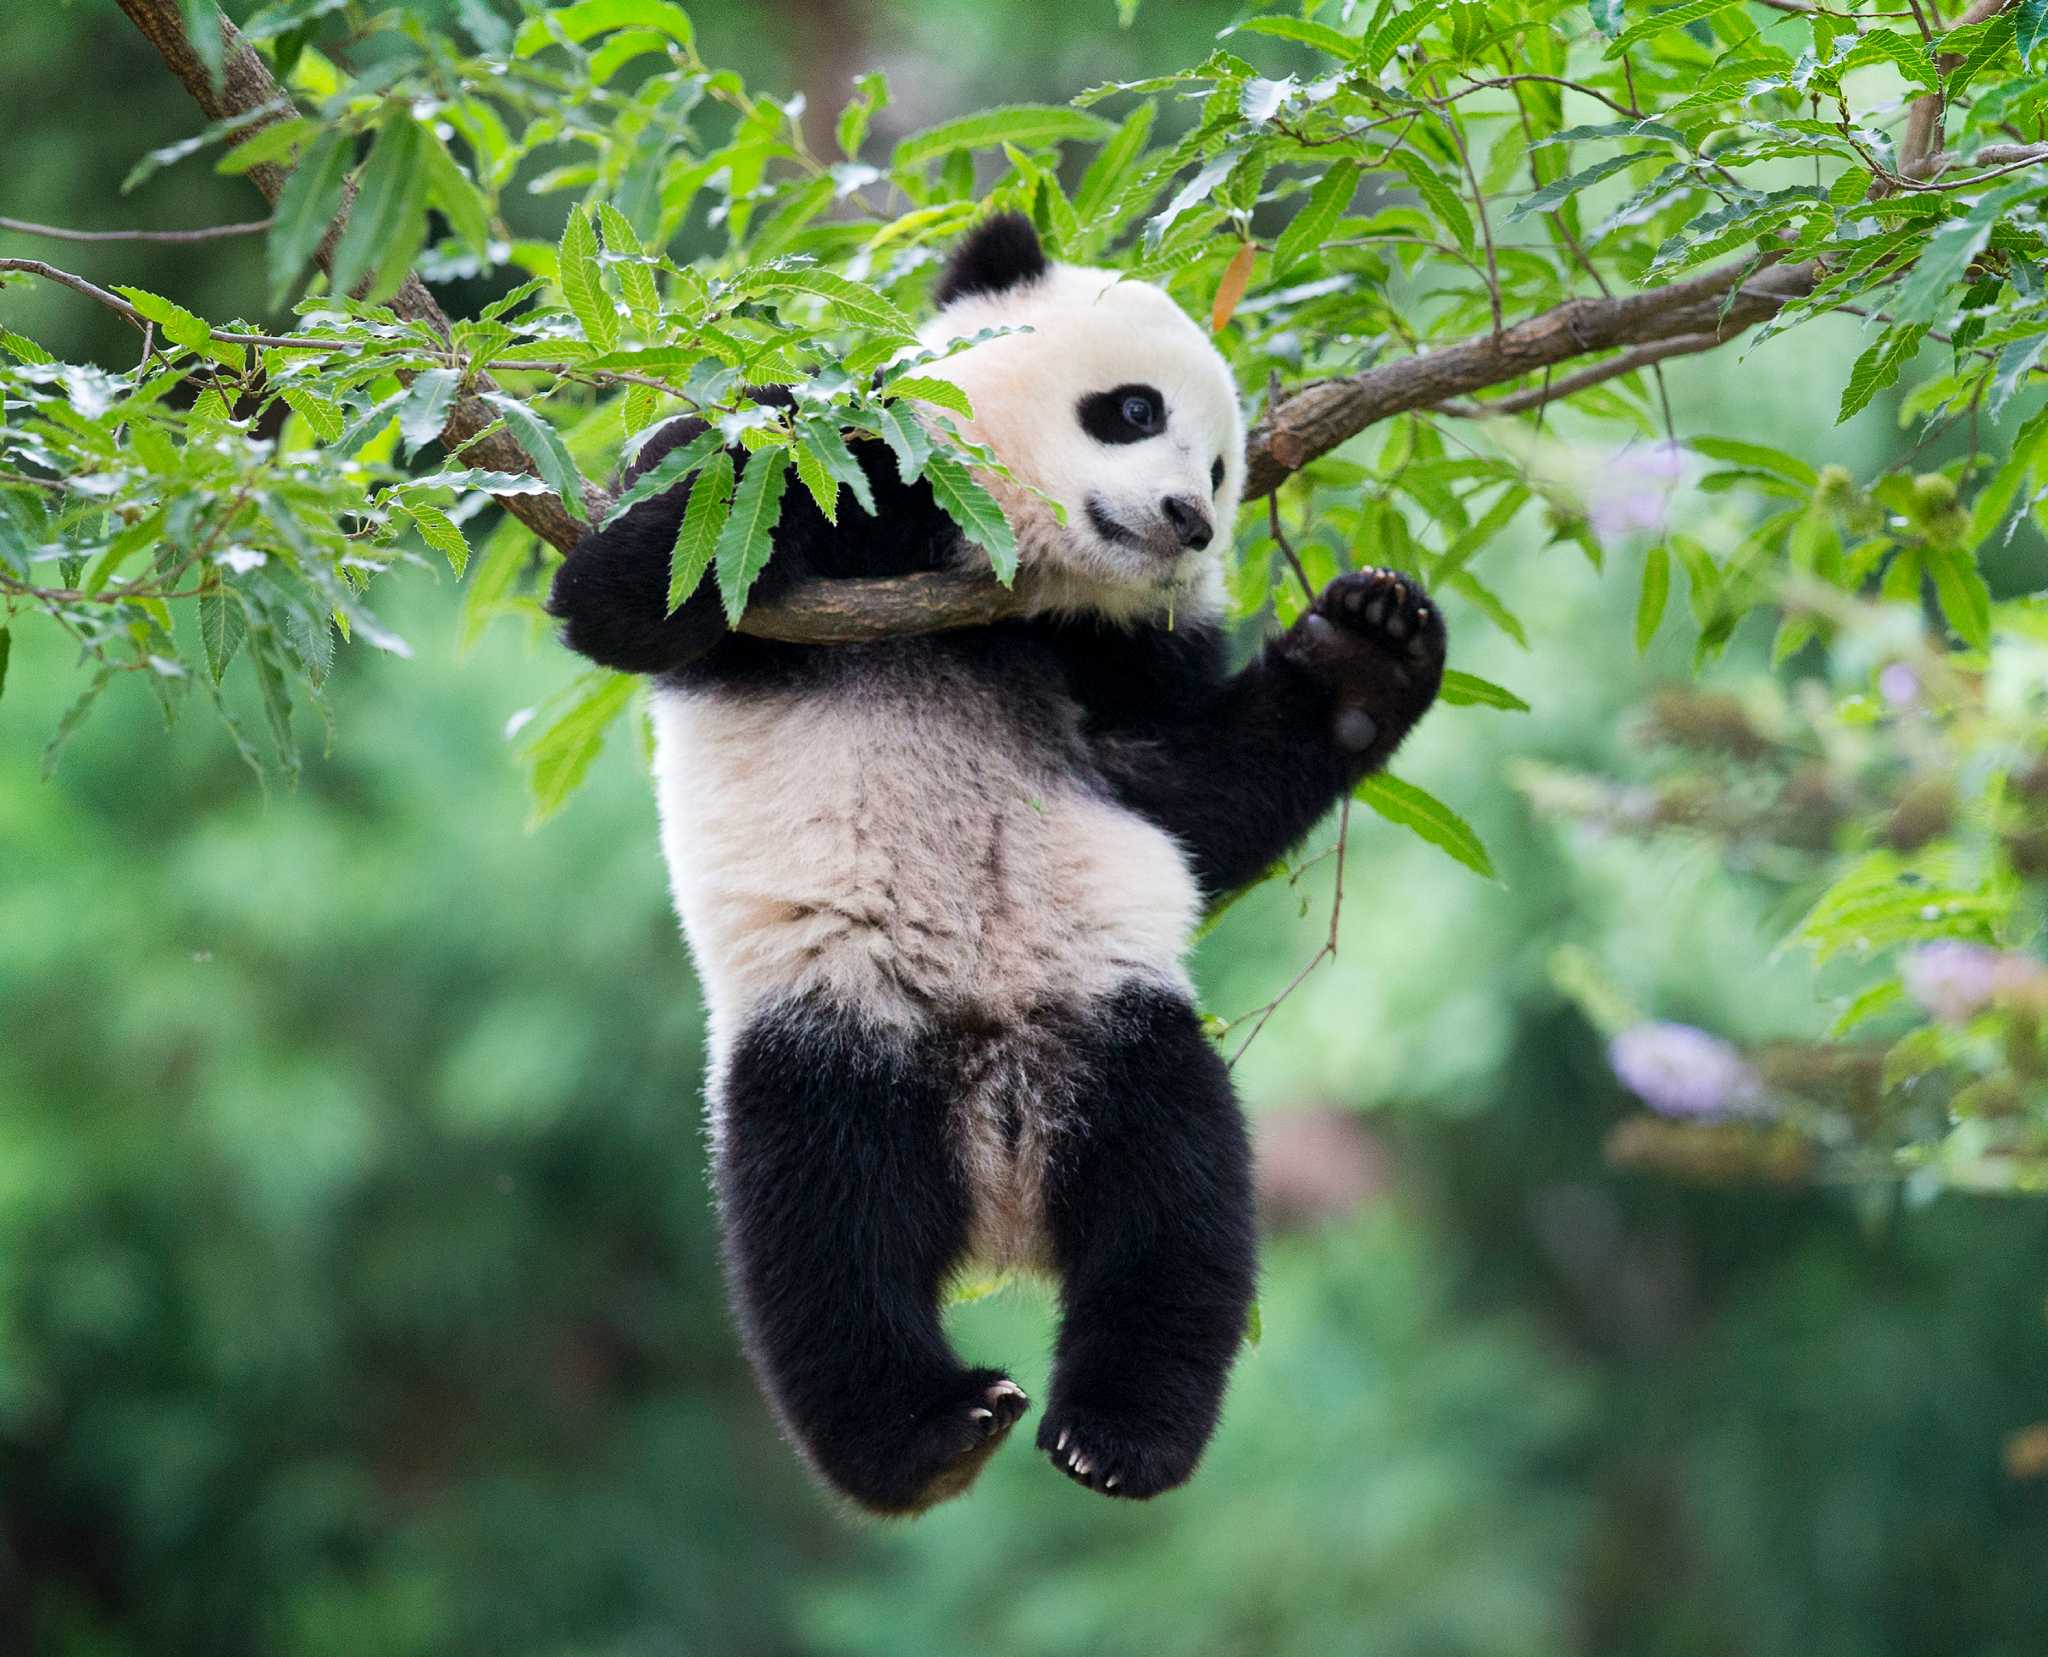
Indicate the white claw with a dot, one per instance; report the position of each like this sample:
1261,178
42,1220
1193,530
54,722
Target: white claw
1112,1481
1083,1466
1063,1440
981,1415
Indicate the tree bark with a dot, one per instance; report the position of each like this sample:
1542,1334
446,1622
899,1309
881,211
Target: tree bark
1311,422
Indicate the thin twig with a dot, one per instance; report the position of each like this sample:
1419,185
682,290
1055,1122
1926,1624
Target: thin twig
209,233
114,302
1328,951
1627,363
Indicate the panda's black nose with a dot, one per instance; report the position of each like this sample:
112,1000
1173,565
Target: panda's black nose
1189,521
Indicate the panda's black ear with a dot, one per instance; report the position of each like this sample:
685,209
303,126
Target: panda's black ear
1000,253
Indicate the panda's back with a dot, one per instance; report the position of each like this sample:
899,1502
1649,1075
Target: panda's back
912,831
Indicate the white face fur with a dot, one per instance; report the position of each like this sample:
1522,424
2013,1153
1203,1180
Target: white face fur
1117,406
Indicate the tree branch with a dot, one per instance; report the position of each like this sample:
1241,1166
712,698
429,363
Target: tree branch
1318,417
209,233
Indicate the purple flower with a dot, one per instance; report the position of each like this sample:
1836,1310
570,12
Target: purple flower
1899,685
1680,1071
1634,489
1955,981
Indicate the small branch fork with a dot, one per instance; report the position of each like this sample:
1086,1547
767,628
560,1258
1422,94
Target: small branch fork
1327,951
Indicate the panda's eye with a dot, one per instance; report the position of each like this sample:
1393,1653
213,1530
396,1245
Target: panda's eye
1123,414
1216,475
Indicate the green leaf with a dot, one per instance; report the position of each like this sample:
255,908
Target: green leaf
202,30
1561,189
1468,690
222,626
1022,124
1443,201
862,304
1319,35
1111,169
818,479
179,325
544,446
585,18
704,521
749,533
1655,594
636,280
454,192
24,349
1764,459
1881,997
559,757
906,437
1965,599
1671,17
1423,813
305,208
1607,16
974,509
1879,366
582,286
1317,217
272,143
665,473
388,223
830,444
439,531
927,390
2030,23
425,409
2015,365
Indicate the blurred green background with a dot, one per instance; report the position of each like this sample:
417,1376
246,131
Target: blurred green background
358,1290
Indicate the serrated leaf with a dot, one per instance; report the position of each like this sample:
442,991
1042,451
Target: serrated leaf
1111,169
818,479
1468,690
2030,26
927,390
636,280
1022,124
974,509
577,271
665,474
1879,366
305,208
425,409
179,325
440,532
1562,189
697,536
1671,17
1444,202
24,349
222,627
1317,217
1319,35
272,143
1655,595
830,444
1758,455
863,304
907,439
388,223
1421,812
748,538
544,446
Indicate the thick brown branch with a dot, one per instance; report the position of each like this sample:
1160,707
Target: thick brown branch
1924,120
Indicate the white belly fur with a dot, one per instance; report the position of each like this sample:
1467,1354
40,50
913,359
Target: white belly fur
903,853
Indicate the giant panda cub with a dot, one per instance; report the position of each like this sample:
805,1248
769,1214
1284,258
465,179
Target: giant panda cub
940,891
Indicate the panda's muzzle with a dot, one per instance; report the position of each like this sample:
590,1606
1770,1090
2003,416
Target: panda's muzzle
1180,526
1189,522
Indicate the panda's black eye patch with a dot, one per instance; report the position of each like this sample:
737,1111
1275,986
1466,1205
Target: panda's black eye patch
1216,474
1123,414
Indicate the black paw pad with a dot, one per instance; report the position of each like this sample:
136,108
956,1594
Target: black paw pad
1389,608
957,1438
1133,1459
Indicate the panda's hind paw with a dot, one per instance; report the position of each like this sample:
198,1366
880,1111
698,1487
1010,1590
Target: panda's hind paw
1118,1458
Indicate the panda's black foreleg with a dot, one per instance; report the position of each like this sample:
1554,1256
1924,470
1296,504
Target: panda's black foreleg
842,1211
1150,1208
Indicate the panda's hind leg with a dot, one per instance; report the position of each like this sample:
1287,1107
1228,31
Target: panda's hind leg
843,1210
1150,1211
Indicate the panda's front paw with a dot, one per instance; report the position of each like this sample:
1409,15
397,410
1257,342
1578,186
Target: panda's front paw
1377,641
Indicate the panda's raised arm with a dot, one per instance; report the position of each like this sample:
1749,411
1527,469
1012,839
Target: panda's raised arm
611,593
1239,767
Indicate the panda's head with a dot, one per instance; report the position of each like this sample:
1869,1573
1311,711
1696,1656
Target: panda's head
1115,405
